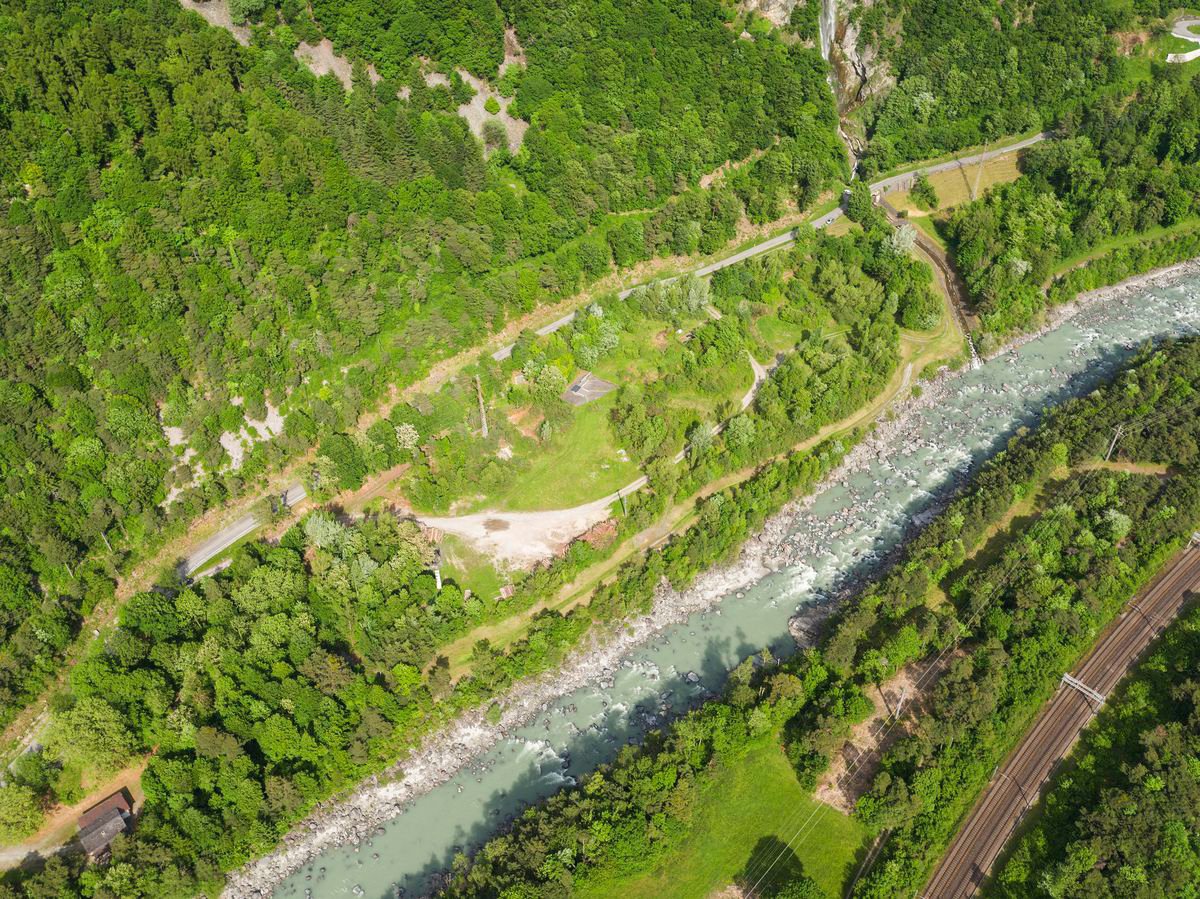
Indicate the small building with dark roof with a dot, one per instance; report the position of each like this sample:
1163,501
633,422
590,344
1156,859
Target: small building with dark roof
103,822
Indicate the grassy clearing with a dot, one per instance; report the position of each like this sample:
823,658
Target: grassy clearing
747,813
928,224
957,186
1169,43
586,449
1156,49
842,226
469,568
777,334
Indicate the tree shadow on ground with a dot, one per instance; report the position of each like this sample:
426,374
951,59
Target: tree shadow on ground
771,866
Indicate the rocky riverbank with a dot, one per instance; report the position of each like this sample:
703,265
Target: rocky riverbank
793,537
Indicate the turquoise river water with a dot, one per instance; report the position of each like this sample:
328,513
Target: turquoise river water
850,522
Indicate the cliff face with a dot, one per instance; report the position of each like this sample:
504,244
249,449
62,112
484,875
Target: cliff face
859,71
778,11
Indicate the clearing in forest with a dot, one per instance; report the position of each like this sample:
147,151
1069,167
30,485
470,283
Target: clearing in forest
743,820
958,185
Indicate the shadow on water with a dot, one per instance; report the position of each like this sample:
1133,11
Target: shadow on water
673,696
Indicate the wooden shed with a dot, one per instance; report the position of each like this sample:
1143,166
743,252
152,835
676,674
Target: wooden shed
103,822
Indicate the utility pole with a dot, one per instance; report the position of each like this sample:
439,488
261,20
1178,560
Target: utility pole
1147,620
979,172
1016,784
482,410
1112,446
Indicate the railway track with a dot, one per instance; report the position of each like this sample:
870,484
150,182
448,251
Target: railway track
1019,780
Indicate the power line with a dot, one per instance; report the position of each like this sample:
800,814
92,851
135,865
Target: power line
894,719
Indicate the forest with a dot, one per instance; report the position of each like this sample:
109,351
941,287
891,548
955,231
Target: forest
1121,172
195,235
966,75
213,263
1121,818
307,665
1100,535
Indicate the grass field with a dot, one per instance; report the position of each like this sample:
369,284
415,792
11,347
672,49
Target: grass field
587,449
842,227
956,186
746,815
926,224
469,568
777,334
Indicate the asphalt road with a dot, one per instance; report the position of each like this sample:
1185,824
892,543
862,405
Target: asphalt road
232,533
884,185
904,180
1183,29
1019,781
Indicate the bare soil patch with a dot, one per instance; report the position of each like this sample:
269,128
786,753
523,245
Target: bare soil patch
728,166
514,53
322,60
1128,41
853,768
216,13
476,114
526,420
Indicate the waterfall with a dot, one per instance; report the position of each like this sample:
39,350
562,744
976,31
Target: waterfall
826,26
827,31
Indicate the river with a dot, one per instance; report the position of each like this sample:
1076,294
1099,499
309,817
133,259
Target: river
807,552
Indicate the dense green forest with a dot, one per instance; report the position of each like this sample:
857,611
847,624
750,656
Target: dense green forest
1121,819
188,225
1100,534
1099,537
969,74
1122,169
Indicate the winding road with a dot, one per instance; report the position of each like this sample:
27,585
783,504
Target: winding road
1017,784
1183,29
